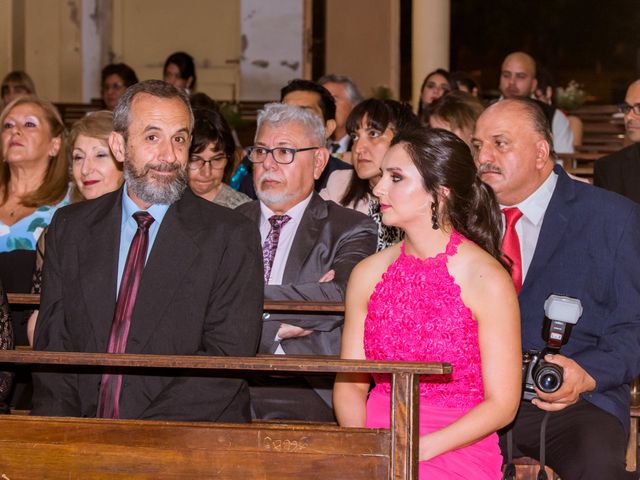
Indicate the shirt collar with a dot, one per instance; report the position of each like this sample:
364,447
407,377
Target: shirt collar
534,206
294,212
129,207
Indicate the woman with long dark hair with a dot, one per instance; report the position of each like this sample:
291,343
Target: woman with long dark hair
372,125
443,295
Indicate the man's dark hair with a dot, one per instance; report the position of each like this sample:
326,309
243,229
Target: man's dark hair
124,71
156,88
327,103
535,110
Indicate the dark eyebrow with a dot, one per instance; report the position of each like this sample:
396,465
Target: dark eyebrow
394,169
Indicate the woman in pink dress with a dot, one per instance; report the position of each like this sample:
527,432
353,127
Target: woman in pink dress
443,295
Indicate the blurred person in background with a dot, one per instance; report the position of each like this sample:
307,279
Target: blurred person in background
14,85
180,71
116,78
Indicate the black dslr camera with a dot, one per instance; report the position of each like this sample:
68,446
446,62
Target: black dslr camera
561,314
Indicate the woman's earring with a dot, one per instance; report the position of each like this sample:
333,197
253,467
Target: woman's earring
434,215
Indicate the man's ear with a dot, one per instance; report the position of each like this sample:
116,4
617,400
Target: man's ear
117,146
534,85
320,160
543,152
329,128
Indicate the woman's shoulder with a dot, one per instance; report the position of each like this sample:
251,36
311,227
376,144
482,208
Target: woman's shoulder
337,184
228,197
370,270
477,272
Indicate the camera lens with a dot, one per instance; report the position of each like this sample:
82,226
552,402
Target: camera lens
548,377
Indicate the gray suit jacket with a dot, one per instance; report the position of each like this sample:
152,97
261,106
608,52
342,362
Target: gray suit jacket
329,237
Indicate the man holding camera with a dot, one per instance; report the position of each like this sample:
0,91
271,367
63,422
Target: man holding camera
571,239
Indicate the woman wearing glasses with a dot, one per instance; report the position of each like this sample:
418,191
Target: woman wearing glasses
211,159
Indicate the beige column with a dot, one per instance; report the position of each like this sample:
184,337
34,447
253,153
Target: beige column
431,20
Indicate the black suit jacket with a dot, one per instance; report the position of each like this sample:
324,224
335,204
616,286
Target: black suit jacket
329,237
191,301
620,172
589,248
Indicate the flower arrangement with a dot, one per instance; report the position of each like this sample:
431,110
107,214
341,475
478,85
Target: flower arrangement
573,96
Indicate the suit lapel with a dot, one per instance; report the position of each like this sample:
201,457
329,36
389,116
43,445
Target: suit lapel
172,255
554,226
98,264
306,238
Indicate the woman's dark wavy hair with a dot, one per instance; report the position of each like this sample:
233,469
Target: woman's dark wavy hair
211,127
440,71
381,114
185,64
471,207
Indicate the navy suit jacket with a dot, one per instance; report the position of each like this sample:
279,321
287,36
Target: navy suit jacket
589,248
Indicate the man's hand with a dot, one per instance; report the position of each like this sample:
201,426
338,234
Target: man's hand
328,277
291,331
575,381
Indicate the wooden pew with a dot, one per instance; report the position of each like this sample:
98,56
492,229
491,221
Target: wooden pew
48,447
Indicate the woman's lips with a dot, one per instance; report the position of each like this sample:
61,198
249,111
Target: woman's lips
384,206
89,183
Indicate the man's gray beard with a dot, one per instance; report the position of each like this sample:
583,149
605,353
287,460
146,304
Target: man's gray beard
270,199
158,190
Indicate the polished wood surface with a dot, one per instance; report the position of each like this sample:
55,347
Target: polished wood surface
57,448
282,363
271,306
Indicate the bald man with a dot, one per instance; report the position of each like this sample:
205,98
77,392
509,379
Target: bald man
620,171
518,79
582,242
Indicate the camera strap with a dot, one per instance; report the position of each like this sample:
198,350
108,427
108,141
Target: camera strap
510,469
542,474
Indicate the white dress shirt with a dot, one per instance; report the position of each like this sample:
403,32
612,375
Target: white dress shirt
528,227
287,234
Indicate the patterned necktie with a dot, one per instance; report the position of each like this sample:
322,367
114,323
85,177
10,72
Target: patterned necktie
511,245
271,243
111,385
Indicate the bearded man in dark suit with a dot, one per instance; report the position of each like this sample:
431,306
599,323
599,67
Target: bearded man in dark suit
149,269
310,247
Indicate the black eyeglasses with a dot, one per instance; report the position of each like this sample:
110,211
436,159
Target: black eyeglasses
217,162
626,108
283,155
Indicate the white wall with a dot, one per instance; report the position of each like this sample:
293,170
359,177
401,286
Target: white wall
272,46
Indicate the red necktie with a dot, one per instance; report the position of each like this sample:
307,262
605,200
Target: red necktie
511,245
111,385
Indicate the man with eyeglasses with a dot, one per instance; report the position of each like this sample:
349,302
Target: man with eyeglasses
620,171
309,247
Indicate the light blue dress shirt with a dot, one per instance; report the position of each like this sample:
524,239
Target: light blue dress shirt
129,227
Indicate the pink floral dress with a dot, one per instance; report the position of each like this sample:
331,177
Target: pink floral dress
416,314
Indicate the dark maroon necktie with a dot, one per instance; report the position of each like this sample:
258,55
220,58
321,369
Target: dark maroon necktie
109,397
